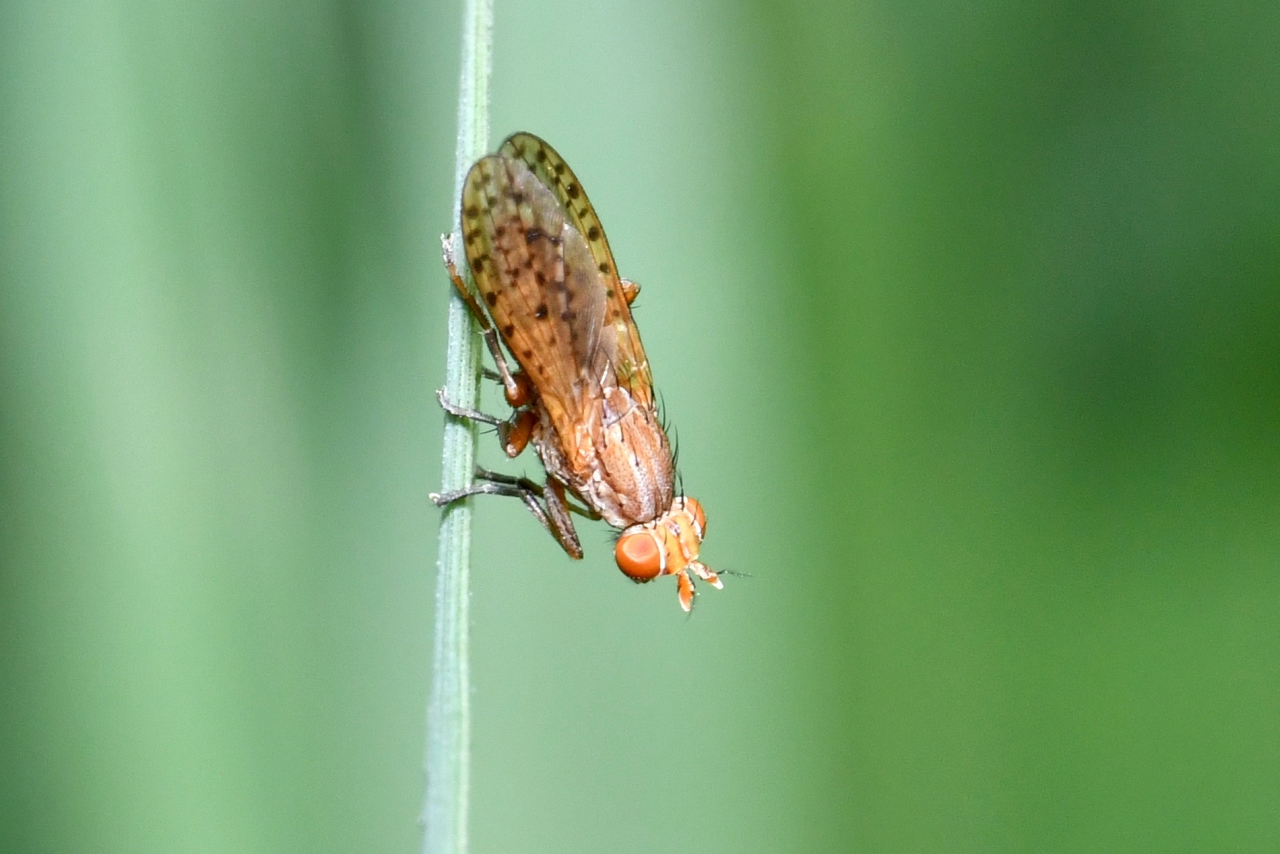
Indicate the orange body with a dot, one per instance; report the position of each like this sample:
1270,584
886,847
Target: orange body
584,391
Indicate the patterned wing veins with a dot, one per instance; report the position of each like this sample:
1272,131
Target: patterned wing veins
537,277
620,353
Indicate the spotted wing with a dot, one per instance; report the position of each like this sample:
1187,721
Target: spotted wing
537,277
620,351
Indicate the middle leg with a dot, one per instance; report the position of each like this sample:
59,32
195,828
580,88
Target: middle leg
514,433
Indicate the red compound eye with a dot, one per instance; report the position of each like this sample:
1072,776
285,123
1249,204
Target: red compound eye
693,507
639,555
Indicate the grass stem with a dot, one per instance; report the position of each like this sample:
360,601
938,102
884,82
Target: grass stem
448,713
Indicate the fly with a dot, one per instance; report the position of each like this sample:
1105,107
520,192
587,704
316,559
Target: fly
582,392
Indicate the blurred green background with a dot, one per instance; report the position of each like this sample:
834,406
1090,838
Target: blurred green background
969,319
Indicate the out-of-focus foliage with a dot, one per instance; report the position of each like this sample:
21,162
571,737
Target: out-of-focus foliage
969,320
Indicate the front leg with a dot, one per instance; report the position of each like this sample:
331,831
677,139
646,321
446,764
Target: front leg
555,518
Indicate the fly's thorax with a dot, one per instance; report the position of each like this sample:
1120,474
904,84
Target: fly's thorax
551,450
625,461
665,546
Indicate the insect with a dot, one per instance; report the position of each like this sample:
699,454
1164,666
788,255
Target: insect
582,393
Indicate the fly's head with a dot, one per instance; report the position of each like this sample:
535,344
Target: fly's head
668,545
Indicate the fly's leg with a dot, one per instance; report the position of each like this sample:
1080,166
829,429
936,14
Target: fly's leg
630,290
516,386
555,517
514,433
517,432
555,485
470,414
685,590
568,540
524,390
561,523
